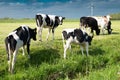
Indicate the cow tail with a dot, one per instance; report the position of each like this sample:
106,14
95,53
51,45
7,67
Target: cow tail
7,45
37,20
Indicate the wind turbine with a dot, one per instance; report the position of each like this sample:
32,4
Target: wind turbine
92,8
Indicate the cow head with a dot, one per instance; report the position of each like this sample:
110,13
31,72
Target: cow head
108,17
110,31
33,34
59,19
89,39
109,27
98,31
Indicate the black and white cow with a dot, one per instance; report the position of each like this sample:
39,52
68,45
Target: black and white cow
47,21
76,36
16,39
90,22
104,23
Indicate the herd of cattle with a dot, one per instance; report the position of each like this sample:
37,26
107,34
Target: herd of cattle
23,34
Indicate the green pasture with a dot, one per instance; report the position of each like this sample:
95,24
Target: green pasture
47,63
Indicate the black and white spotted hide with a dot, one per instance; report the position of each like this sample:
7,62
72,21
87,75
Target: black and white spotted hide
47,21
16,39
76,36
91,23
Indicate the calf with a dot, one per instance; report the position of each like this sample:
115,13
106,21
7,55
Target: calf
76,36
105,23
47,21
90,22
16,39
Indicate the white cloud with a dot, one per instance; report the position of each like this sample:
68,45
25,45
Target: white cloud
70,9
16,4
38,3
70,2
2,3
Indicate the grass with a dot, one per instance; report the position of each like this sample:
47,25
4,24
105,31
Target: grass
47,63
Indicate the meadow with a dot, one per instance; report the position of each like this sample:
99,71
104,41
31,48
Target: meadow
47,62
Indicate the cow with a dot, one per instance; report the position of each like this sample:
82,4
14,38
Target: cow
47,21
105,23
16,39
77,36
90,22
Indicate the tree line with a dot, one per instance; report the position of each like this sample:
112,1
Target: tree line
115,16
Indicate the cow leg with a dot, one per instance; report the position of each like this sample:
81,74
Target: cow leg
70,47
14,60
49,30
23,49
9,61
39,31
81,47
66,47
86,46
92,32
53,33
103,31
63,41
9,57
102,28
28,50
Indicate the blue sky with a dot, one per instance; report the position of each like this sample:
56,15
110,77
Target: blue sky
66,8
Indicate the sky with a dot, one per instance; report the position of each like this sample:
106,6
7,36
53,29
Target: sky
66,8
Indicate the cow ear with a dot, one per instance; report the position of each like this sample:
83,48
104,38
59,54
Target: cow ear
56,17
63,17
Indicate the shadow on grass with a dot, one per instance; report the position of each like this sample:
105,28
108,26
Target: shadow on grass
96,51
115,33
45,55
2,73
